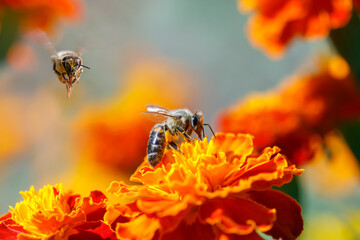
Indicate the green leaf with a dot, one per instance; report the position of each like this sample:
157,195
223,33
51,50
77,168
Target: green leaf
9,31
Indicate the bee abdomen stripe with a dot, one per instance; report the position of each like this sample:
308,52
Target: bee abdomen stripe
156,139
155,148
154,159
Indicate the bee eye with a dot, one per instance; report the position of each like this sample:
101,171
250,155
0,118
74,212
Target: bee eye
194,121
77,62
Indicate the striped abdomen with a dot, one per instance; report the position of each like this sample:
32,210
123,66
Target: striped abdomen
156,145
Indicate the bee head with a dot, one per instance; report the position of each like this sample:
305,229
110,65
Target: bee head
196,123
71,65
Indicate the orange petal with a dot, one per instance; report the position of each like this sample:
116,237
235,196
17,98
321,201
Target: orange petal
190,232
289,222
141,228
239,144
237,215
93,230
8,228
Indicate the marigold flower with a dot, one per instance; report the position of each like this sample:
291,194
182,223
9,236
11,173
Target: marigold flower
211,190
44,14
276,23
295,115
53,213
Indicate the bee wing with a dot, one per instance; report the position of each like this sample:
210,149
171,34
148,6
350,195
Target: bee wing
156,117
81,46
156,109
157,113
42,37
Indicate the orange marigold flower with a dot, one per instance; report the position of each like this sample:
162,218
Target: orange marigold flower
53,213
211,190
276,23
44,14
294,116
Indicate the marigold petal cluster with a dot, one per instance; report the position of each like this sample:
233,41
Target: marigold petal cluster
275,24
295,115
53,213
211,190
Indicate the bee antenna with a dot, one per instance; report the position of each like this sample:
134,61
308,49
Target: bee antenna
206,124
85,66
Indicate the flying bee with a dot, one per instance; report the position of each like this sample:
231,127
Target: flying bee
174,124
68,66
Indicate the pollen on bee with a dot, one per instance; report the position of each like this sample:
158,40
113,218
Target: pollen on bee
169,137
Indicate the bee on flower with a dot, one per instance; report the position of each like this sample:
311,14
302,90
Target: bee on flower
175,123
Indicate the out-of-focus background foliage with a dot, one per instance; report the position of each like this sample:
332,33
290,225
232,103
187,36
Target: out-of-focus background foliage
192,54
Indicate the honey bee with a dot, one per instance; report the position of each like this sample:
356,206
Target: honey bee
67,64
174,124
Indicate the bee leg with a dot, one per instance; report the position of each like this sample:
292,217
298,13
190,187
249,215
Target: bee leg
78,76
174,146
182,132
68,89
56,71
165,130
65,77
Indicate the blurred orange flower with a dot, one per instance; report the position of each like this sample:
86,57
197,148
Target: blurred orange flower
13,133
116,133
44,14
294,116
212,190
276,23
53,213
